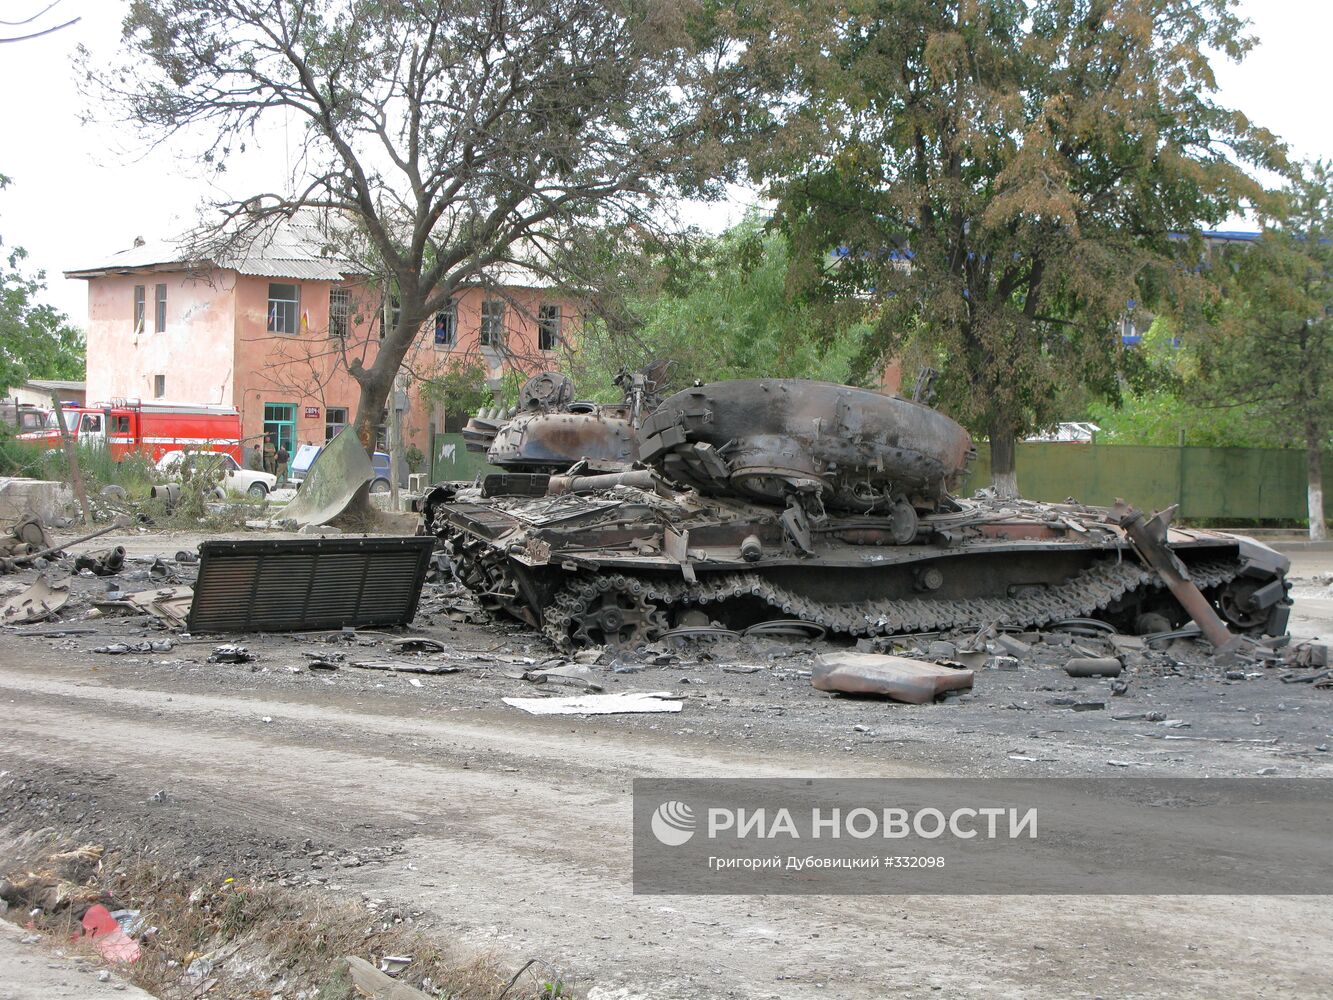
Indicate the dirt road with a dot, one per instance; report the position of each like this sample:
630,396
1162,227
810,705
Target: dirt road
510,833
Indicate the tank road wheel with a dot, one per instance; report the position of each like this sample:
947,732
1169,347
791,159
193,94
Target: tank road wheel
604,611
615,617
1238,606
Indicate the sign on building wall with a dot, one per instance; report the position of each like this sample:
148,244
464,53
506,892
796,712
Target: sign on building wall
312,411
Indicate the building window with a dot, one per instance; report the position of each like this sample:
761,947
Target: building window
159,386
335,419
548,327
340,308
140,308
492,323
446,325
284,307
160,309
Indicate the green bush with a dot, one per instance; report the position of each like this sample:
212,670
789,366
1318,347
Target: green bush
19,458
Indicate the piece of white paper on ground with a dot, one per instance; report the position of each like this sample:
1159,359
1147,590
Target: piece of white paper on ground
599,704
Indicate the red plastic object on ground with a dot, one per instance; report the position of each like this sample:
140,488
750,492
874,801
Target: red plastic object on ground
113,943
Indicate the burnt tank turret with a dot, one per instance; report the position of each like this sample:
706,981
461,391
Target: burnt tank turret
781,500
549,431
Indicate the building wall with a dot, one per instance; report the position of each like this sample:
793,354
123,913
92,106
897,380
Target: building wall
217,348
194,354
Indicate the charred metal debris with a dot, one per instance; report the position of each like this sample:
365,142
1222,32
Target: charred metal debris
808,505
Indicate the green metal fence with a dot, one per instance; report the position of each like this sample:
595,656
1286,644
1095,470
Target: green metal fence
1240,483
451,461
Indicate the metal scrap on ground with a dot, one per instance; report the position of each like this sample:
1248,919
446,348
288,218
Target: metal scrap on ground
341,469
40,601
170,604
895,677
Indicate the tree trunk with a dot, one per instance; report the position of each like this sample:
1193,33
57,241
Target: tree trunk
1314,476
1004,476
370,404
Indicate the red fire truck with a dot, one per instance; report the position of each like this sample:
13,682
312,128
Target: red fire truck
151,429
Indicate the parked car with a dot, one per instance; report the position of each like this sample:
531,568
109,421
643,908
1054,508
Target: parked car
305,457
220,468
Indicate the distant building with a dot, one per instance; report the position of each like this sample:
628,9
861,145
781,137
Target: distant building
270,332
37,392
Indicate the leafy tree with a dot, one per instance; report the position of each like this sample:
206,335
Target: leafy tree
1272,350
1165,400
457,386
1000,180
36,340
717,308
457,135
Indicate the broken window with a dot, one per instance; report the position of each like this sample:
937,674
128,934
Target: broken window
492,323
446,324
340,308
140,308
548,327
284,307
160,309
335,419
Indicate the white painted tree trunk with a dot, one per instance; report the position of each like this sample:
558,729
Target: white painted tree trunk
1314,480
1318,527
1005,484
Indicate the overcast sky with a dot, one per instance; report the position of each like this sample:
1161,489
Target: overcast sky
81,192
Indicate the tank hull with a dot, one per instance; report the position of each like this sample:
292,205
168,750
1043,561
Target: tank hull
626,566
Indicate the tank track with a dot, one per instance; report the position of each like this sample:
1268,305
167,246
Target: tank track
585,597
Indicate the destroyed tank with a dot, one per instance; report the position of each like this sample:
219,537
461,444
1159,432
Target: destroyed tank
782,505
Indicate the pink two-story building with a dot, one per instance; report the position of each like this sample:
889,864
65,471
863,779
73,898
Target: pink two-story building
271,332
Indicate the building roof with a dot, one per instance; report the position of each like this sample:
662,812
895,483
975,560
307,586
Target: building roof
298,248
301,249
1219,235
62,385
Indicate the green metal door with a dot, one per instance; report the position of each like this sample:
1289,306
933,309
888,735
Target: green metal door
280,426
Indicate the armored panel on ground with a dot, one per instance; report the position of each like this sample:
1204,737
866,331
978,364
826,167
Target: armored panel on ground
298,585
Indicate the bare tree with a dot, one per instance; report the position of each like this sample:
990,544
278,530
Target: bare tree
36,31
453,135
